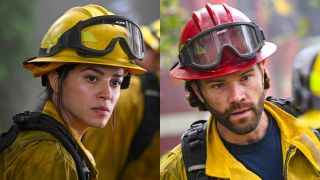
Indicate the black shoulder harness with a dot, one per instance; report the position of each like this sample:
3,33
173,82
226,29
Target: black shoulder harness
194,150
193,142
38,121
286,104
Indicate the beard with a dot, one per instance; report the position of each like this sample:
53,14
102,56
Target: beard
244,125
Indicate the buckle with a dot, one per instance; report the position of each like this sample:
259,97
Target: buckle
21,117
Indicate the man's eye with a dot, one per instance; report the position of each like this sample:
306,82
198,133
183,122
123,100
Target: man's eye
218,86
246,77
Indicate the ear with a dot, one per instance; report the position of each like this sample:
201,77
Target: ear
53,78
196,90
266,73
266,78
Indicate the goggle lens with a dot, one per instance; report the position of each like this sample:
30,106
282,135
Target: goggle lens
204,51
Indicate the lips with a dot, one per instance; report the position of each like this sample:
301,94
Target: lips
239,111
240,114
101,110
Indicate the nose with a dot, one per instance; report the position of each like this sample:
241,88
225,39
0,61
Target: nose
236,93
105,91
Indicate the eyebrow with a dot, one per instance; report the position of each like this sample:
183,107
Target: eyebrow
248,70
211,80
101,72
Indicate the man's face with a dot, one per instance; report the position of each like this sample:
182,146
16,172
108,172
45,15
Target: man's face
236,100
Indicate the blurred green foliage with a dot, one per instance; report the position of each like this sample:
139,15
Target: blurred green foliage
304,24
15,35
172,17
315,4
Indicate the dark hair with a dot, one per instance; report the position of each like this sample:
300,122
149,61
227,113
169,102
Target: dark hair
194,101
63,72
192,98
266,82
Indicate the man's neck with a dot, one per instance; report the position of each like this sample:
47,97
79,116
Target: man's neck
252,137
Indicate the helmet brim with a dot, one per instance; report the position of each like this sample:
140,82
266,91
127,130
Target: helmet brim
60,60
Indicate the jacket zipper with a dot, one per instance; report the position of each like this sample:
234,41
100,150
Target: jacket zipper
290,150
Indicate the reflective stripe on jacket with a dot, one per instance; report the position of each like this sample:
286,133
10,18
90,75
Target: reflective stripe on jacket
300,152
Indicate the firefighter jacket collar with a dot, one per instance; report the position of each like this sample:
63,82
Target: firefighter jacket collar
50,109
303,139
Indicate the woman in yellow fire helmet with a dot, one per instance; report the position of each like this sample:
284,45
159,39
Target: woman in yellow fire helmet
84,60
306,85
137,123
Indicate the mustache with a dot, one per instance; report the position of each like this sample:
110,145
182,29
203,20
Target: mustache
235,106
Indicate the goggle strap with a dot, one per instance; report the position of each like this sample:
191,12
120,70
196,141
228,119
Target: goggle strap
262,34
181,59
126,49
69,39
72,39
174,65
47,52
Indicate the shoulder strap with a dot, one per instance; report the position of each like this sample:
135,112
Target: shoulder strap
38,121
151,117
285,104
8,137
194,152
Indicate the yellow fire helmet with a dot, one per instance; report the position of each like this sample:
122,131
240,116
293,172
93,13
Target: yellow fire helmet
306,85
151,35
89,34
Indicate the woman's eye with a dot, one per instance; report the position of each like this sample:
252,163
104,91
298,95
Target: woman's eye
91,78
116,83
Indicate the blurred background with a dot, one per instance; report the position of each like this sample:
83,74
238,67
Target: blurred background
24,25
291,24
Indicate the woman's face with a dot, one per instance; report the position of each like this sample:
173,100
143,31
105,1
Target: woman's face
89,94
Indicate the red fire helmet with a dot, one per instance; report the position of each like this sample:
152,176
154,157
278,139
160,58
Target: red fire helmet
218,40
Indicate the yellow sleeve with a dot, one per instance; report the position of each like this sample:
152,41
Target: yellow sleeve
147,165
172,166
42,159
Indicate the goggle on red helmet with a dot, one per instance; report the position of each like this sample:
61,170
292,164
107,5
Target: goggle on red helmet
218,40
